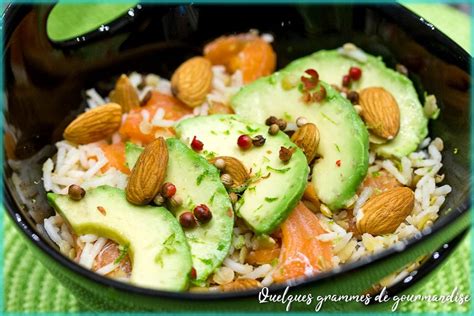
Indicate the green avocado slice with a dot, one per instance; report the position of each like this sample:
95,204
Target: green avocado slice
343,146
197,182
157,246
331,66
275,187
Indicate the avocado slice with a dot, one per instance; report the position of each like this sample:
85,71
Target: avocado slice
160,256
274,188
343,145
197,182
331,66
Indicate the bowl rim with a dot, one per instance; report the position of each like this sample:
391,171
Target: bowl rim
15,11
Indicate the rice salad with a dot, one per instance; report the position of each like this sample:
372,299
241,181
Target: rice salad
253,259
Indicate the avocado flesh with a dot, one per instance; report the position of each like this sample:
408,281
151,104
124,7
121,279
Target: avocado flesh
156,243
197,182
343,145
275,186
331,66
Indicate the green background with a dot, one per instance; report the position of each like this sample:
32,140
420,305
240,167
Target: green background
29,287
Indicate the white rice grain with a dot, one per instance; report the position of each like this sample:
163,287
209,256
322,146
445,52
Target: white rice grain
390,167
237,267
47,171
342,242
267,37
152,80
159,115
259,272
363,197
94,98
425,143
87,257
66,235
135,79
52,230
268,279
444,190
107,268
88,238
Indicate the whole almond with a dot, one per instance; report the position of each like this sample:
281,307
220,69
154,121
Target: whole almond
192,81
148,173
234,168
307,138
383,213
380,112
125,94
240,285
94,125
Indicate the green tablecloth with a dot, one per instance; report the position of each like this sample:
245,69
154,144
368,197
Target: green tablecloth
29,287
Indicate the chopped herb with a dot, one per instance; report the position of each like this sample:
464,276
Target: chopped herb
201,177
258,174
167,248
213,132
159,259
283,170
252,189
221,247
269,199
238,189
288,116
272,80
195,240
328,118
455,150
170,240
337,147
239,204
251,130
212,198
227,132
208,154
259,207
123,252
375,174
301,88
206,261
274,262
265,159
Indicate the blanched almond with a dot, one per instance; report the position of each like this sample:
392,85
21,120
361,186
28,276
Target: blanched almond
383,213
380,112
148,173
94,125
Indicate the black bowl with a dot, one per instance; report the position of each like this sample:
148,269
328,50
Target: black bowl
44,89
